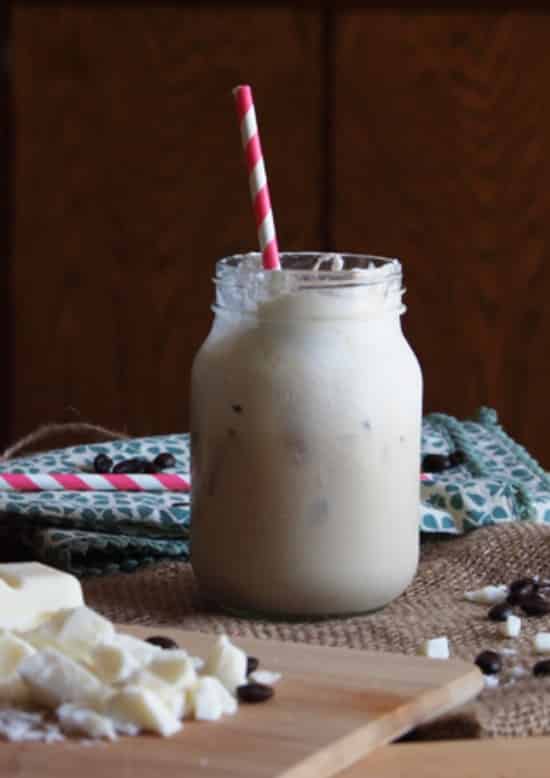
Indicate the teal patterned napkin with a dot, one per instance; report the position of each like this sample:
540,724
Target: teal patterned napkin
100,532
103,532
499,481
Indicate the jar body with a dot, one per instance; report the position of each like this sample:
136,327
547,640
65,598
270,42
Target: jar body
306,457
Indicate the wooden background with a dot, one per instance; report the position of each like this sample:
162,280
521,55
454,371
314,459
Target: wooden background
424,135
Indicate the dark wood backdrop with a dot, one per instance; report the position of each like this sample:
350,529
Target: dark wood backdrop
414,133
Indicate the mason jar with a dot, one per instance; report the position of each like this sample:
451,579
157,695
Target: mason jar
305,438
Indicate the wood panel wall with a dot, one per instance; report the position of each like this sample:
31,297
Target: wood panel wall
418,134
442,157
6,220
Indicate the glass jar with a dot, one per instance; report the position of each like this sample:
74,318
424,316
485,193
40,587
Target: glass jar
305,438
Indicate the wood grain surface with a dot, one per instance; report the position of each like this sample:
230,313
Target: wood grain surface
405,132
131,184
6,220
493,758
442,158
331,706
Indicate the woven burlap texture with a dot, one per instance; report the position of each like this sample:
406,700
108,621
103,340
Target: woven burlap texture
432,606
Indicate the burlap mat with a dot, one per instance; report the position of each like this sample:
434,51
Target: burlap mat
432,606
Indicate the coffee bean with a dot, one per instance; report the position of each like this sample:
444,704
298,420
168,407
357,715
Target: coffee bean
535,605
489,662
135,466
103,463
435,463
457,458
521,583
143,465
162,642
151,468
500,612
254,692
541,668
164,460
520,588
251,664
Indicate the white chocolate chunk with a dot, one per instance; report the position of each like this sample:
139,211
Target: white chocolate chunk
30,592
205,702
142,651
125,728
12,651
198,663
542,643
144,709
491,681
112,663
74,632
228,663
228,701
54,678
19,725
511,627
209,699
265,676
488,595
172,696
436,648
122,655
83,721
174,667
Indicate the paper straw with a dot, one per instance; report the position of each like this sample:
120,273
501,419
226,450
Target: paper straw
96,482
92,482
257,178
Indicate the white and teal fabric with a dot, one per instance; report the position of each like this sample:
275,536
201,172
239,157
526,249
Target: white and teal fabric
102,532
499,482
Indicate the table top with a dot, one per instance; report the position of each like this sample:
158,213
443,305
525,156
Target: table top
492,758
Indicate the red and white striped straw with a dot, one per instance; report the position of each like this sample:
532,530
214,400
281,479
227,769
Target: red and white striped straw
92,482
257,178
96,482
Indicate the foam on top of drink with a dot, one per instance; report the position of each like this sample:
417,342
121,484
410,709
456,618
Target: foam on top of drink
310,286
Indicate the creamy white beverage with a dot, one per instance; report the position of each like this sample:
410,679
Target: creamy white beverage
305,434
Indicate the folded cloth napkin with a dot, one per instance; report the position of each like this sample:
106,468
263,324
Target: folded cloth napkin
499,481
89,533
104,532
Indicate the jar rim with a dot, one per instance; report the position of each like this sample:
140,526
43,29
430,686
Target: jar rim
351,268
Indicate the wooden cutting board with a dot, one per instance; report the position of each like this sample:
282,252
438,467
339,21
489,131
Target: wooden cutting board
332,707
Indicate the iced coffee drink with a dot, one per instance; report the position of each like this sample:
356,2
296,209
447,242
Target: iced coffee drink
306,415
